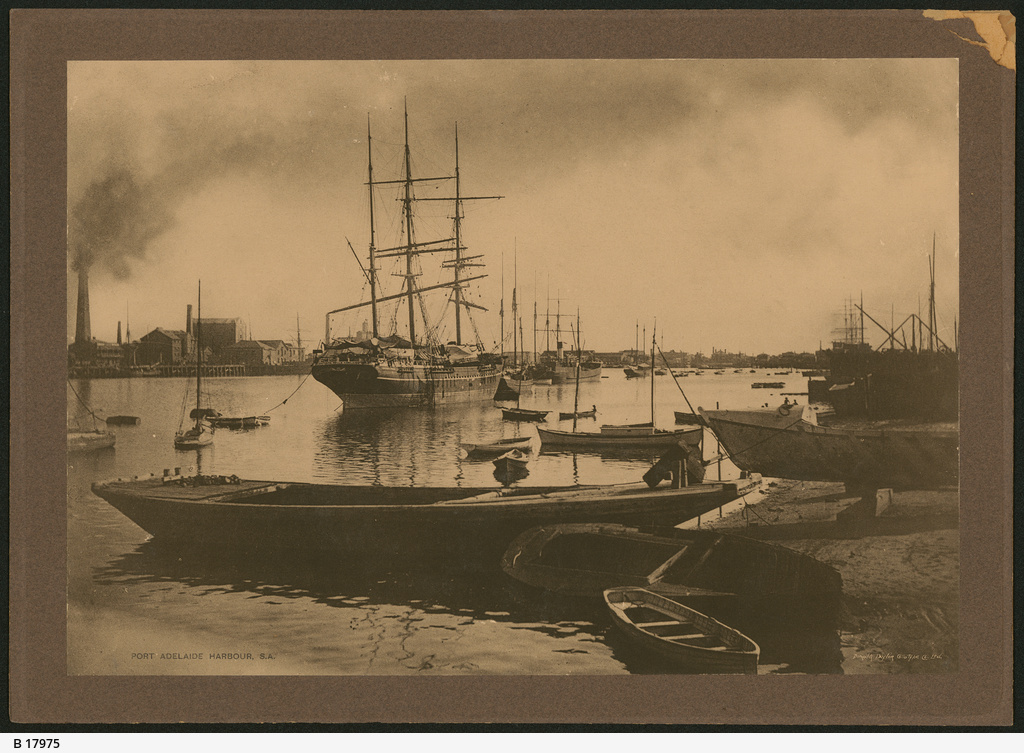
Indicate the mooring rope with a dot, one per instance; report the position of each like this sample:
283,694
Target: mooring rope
84,404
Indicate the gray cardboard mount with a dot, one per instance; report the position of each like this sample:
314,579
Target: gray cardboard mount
42,41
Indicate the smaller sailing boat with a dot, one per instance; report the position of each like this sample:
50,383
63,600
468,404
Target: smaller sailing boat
622,436
201,433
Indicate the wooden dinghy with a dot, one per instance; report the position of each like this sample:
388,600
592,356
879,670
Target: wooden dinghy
620,436
688,419
523,414
592,413
227,511
718,574
684,636
513,460
236,422
496,447
88,441
787,443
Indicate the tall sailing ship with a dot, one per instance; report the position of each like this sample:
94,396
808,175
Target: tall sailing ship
384,369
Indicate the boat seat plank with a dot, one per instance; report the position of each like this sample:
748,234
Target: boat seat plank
688,637
656,624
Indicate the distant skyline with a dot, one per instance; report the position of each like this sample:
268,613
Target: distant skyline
739,203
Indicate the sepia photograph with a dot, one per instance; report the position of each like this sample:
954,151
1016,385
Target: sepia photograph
514,366
543,367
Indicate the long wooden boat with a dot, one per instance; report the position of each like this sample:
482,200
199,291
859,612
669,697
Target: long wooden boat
497,446
684,636
237,422
718,574
523,414
621,436
87,441
227,511
783,443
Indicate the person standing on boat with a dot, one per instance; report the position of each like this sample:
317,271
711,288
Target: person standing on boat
670,467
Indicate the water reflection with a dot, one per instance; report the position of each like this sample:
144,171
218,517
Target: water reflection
445,588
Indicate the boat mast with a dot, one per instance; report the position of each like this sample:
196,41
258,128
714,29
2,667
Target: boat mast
410,240
373,249
653,337
579,357
932,324
515,307
535,317
501,312
458,244
199,354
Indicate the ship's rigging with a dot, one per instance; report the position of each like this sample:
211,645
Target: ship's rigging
409,250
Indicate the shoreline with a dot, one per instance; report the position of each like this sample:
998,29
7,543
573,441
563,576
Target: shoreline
900,569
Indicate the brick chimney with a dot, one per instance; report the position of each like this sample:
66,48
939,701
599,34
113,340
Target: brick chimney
83,328
188,319
119,333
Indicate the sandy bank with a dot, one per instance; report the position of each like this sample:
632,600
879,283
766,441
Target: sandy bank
900,570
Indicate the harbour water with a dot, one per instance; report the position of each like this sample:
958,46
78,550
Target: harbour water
137,607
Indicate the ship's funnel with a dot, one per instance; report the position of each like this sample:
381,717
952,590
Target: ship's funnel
83,328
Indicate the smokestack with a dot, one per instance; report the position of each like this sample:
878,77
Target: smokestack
83,329
188,320
119,333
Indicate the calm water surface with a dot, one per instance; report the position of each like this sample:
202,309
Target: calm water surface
137,608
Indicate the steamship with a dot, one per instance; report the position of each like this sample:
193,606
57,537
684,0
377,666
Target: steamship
385,369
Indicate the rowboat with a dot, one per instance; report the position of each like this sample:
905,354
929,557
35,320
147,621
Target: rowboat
87,441
684,636
719,574
522,414
620,436
497,447
592,413
511,461
788,443
228,511
235,422
690,419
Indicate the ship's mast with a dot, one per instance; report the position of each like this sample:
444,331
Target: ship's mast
410,240
932,324
373,249
199,355
458,244
515,306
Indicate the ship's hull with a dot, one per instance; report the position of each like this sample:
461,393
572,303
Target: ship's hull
785,446
362,385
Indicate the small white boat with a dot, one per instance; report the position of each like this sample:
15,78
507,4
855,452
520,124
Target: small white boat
680,634
497,447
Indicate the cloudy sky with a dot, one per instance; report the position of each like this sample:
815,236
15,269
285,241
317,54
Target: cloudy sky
739,203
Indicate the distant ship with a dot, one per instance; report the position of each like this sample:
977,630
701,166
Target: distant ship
387,369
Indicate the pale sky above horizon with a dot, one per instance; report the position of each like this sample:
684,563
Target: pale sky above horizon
739,203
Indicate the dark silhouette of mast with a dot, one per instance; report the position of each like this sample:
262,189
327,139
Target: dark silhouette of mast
410,285
373,249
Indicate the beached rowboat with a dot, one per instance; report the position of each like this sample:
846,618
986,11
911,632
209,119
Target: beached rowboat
682,635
